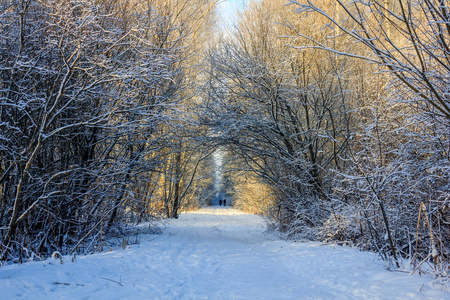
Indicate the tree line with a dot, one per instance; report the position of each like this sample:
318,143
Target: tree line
94,129
339,111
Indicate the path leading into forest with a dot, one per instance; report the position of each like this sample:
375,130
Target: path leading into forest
217,253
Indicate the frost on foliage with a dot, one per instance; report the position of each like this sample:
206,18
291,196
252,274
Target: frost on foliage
339,227
58,255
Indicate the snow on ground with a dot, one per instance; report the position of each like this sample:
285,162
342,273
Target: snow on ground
216,253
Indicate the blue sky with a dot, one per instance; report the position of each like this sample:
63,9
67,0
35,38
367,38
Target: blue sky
227,9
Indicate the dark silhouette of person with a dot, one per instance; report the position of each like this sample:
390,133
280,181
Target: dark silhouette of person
220,202
224,202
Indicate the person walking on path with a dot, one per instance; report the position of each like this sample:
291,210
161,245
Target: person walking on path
220,202
224,202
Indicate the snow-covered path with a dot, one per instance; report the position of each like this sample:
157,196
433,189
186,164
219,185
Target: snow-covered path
216,253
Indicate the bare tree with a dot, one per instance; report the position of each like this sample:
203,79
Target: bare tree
283,112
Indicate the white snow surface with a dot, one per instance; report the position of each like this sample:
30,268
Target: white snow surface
217,253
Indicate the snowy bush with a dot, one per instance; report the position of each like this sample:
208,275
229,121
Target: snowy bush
340,227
